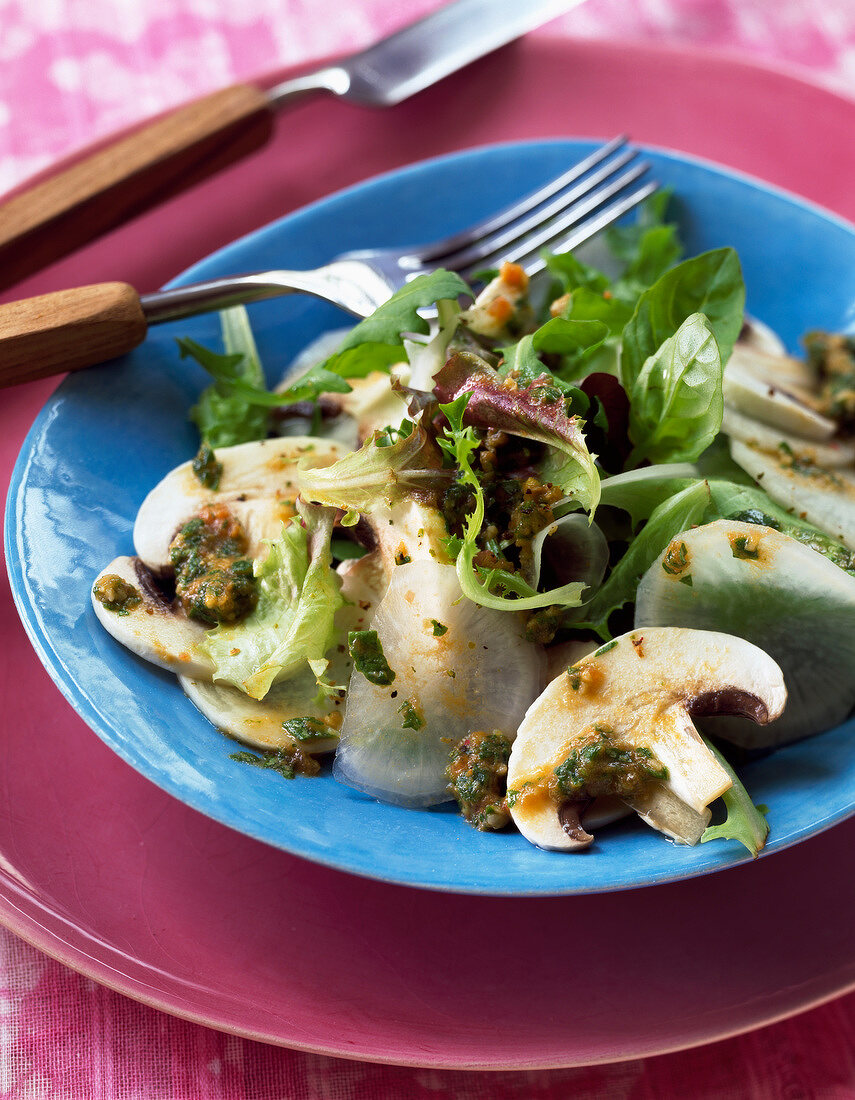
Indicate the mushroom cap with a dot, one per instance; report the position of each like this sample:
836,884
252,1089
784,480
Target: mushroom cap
789,599
258,484
643,687
155,630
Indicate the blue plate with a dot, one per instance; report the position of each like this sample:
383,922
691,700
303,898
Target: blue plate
110,433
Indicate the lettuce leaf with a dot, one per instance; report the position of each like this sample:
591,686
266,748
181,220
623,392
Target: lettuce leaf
536,412
744,822
573,340
675,399
426,359
293,621
666,520
648,247
710,284
639,492
377,476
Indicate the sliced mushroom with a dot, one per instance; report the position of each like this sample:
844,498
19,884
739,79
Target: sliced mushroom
775,592
758,336
777,406
824,497
766,359
258,484
259,722
371,403
153,628
746,429
639,692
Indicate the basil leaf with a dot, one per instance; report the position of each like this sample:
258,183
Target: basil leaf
675,400
710,284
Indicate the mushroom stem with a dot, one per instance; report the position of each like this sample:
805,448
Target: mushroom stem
569,814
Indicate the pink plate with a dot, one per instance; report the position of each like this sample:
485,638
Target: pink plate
103,870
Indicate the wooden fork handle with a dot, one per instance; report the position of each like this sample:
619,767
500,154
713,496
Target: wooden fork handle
67,330
99,192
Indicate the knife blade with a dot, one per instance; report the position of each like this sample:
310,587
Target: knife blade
45,220
427,51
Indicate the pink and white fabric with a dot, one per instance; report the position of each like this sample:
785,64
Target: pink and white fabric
74,70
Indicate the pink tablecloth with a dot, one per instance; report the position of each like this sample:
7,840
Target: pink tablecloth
71,70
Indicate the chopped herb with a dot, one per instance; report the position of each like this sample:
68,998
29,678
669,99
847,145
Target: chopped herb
413,719
116,595
402,558
477,773
605,648
438,628
687,580
754,515
206,468
368,657
600,765
744,546
676,559
214,581
287,763
306,729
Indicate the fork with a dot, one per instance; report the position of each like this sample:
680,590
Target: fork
70,329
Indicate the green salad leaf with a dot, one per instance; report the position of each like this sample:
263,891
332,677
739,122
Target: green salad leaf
480,585
376,343
293,621
649,246
710,284
744,822
667,519
573,340
377,475
224,416
675,400
638,492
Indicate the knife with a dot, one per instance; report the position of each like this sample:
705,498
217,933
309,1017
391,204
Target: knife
46,220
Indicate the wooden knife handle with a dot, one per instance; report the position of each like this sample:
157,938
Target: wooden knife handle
95,194
67,330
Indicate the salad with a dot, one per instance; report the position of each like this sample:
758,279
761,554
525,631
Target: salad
560,553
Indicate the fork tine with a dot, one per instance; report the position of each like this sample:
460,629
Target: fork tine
533,262
557,227
498,243
431,253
